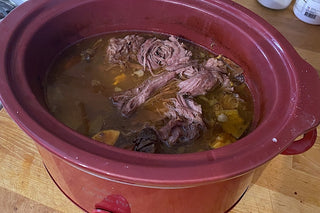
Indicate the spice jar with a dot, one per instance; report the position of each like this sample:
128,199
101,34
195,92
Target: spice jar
275,4
308,11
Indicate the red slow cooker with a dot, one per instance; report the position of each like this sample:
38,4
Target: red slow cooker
101,178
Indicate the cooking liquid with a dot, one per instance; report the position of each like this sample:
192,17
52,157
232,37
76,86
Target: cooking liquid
81,81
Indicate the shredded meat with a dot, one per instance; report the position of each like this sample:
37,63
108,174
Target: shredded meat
120,50
214,64
128,101
146,141
220,72
187,71
183,120
198,84
155,53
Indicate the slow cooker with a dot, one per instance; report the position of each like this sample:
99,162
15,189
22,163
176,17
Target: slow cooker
101,178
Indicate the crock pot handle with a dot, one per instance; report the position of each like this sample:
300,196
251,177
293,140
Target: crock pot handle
101,211
302,145
306,116
113,204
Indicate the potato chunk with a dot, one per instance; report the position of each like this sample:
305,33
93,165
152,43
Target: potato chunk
233,123
221,140
107,136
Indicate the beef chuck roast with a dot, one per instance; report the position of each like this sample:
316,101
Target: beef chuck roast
146,141
155,53
129,100
120,50
183,120
198,84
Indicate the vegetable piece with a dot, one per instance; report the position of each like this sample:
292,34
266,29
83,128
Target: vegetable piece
107,136
139,73
119,78
234,124
229,101
221,140
117,89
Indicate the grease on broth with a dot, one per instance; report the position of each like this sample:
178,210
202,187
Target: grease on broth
82,83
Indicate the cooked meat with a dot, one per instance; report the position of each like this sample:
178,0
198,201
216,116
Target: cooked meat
185,107
128,101
185,121
120,50
233,68
226,83
183,118
223,72
187,71
214,64
155,53
146,141
179,131
199,84
228,70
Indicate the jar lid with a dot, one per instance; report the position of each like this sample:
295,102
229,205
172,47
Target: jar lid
275,4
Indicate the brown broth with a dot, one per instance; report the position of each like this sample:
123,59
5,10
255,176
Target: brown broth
81,81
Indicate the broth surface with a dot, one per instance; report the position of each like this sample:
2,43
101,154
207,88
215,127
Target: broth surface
82,81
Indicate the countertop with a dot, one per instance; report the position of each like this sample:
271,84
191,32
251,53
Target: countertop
286,184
